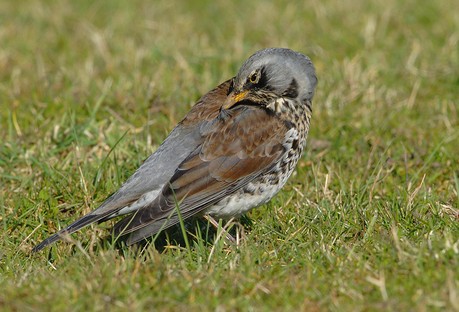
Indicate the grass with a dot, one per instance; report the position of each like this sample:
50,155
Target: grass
369,221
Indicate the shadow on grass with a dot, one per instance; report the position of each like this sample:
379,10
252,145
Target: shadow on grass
198,232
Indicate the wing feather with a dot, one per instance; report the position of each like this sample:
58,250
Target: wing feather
224,163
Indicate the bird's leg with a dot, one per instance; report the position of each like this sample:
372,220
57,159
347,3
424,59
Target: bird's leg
214,222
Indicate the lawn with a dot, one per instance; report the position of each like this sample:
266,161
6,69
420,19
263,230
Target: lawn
369,220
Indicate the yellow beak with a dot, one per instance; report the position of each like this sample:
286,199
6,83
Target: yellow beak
234,98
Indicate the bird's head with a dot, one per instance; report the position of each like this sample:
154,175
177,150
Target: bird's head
271,75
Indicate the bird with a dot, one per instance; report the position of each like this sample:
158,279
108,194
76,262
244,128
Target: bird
233,151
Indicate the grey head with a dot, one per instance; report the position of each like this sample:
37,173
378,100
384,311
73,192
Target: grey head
273,73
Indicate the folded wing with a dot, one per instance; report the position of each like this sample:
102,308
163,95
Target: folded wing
237,147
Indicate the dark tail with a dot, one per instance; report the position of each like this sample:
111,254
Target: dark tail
84,221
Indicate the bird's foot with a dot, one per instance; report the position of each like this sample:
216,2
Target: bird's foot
224,230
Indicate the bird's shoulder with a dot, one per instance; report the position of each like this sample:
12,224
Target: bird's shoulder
208,106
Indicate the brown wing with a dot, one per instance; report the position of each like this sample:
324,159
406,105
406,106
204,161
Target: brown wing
237,147
208,106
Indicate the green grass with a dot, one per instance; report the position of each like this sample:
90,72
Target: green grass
369,221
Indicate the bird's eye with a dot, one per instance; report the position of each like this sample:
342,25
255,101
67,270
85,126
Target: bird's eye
254,77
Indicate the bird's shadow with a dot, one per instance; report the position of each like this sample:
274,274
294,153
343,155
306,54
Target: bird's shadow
196,231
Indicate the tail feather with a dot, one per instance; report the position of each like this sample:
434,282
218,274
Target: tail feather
75,226
109,209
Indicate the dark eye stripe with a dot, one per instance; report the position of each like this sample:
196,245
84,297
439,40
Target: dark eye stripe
292,90
263,81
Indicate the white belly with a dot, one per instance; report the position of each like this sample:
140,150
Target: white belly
244,200
238,204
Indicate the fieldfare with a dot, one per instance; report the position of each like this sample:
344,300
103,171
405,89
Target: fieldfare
233,151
